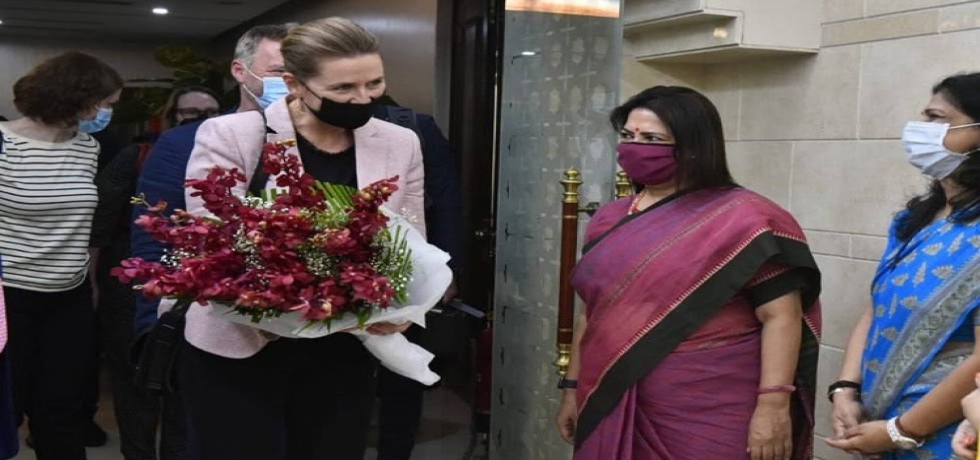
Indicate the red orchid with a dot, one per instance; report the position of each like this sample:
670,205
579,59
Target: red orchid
269,259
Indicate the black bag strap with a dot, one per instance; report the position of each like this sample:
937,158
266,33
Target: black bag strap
259,177
405,118
156,353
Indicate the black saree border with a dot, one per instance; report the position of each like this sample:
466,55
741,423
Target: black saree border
771,289
693,312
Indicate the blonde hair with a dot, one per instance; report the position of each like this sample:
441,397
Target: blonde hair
307,45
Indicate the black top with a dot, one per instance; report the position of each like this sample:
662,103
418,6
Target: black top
336,168
349,355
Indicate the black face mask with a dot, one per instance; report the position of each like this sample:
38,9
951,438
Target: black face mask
342,114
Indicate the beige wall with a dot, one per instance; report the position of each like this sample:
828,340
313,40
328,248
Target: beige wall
19,55
819,134
406,28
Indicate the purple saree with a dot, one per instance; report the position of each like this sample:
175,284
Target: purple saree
671,356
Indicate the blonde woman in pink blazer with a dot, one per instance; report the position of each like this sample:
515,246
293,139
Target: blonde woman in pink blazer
251,395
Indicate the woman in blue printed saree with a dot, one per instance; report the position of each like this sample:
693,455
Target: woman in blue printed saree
911,358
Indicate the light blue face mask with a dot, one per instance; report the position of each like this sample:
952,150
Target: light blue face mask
101,120
273,89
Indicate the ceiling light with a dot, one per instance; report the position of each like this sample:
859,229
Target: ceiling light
160,10
1,22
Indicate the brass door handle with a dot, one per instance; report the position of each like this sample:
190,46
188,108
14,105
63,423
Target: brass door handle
590,208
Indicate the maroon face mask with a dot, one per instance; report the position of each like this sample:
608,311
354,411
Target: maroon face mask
647,164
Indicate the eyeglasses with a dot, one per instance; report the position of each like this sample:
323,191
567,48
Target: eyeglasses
192,112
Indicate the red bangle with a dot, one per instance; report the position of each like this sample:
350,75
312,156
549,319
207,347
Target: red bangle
777,389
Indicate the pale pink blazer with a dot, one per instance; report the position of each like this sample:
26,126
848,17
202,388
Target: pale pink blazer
235,141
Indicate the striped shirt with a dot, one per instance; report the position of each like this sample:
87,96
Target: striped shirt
47,200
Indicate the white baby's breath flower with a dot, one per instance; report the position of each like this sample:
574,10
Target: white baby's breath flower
408,216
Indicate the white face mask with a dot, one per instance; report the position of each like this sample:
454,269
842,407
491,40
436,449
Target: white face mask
923,143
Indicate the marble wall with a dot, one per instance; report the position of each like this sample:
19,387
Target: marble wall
560,78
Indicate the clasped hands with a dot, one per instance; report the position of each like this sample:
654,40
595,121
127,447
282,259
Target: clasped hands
852,434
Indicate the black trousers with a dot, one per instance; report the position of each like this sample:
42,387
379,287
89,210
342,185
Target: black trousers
400,410
138,411
297,399
51,336
8,425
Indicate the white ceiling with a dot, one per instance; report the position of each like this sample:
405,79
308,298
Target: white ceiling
126,20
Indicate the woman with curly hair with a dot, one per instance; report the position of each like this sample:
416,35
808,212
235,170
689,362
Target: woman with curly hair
47,200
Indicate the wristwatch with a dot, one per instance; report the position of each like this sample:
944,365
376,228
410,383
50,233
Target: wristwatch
567,384
901,441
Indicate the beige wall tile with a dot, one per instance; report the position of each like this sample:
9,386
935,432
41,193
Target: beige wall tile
897,76
829,243
842,10
878,7
724,87
868,247
844,296
638,76
881,28
719,86
851,186
799,97
827,371
961,17
763,167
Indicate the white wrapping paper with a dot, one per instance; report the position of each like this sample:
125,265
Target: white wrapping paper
430,279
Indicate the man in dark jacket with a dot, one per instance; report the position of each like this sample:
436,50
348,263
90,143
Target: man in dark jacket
163,174
401,398
256,56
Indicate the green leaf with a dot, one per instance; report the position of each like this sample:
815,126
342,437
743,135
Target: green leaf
337,196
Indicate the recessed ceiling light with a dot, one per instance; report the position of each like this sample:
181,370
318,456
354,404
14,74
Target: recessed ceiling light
1,22
160,10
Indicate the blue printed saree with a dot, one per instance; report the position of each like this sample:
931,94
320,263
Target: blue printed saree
924,295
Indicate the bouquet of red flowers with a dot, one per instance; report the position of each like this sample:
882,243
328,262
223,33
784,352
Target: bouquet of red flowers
304,260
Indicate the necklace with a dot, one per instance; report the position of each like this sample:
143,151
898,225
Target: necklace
636,202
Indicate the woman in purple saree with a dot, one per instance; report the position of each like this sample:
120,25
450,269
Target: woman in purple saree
699,338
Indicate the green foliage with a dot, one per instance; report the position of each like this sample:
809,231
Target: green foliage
338,196
394,261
